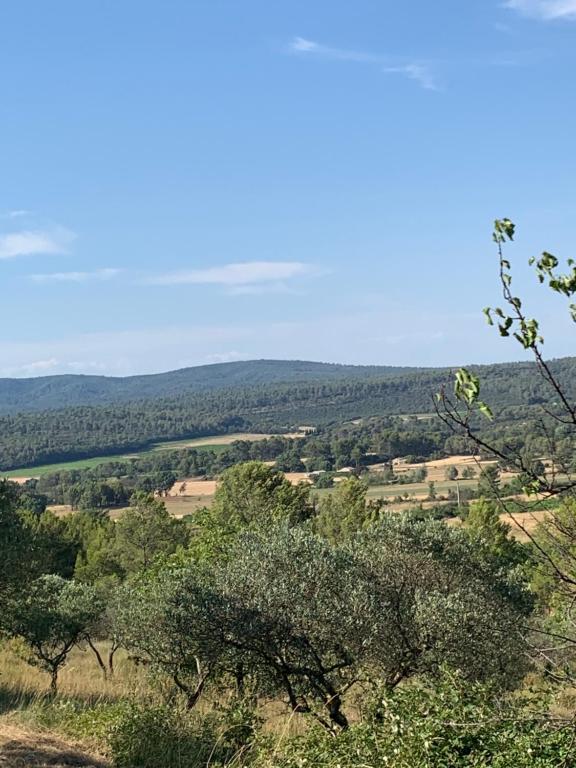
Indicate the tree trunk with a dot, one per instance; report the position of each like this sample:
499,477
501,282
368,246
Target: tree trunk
54,681
239,675
338,717
111,655
192,694
99,659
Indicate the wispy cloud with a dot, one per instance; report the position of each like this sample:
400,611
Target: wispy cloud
544,9
37,367
17,214
35,242
249,273
76,277
413,70
417,72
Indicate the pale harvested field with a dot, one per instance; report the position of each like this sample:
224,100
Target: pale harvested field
251,437
522,524
298,477
191,486
180,506
436,469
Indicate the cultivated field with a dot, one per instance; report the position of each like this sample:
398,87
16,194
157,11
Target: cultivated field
214,443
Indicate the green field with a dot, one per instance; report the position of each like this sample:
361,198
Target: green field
216,443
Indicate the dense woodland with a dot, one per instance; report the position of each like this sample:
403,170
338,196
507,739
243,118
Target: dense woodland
49,392
31,438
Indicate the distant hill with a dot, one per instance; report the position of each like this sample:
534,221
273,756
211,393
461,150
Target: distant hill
61,418
49,392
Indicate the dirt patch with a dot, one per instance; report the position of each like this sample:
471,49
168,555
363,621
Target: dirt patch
22,748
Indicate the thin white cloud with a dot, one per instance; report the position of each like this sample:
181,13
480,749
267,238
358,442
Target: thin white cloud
413,70
241,274
17,214
302,45
76,277
544,9
37,367
417,72
35,242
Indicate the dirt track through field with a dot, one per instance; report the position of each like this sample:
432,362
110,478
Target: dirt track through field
21,748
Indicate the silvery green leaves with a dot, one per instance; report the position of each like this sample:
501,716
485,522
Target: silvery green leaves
467,391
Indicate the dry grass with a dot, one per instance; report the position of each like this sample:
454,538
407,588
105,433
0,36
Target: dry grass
79,679
436,469
191,486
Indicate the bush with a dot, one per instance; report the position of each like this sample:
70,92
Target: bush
172,737
417,727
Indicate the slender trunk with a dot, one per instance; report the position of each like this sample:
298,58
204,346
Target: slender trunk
192,694
54,681
111,655
239,675
98,656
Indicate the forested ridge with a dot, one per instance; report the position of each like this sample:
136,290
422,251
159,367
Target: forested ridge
29,438
46,392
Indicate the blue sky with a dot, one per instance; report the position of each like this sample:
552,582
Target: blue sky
192,181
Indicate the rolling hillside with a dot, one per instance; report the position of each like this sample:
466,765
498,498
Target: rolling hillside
48,392
222,405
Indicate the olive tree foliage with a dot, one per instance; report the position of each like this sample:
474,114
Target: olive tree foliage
52,617
554,543
164,619
448,600
291,614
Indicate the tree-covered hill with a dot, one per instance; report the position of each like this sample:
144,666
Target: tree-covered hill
46,392
32,438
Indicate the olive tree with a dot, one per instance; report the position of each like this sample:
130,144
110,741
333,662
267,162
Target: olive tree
52,617
16,545
401,599
164,619
440,598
